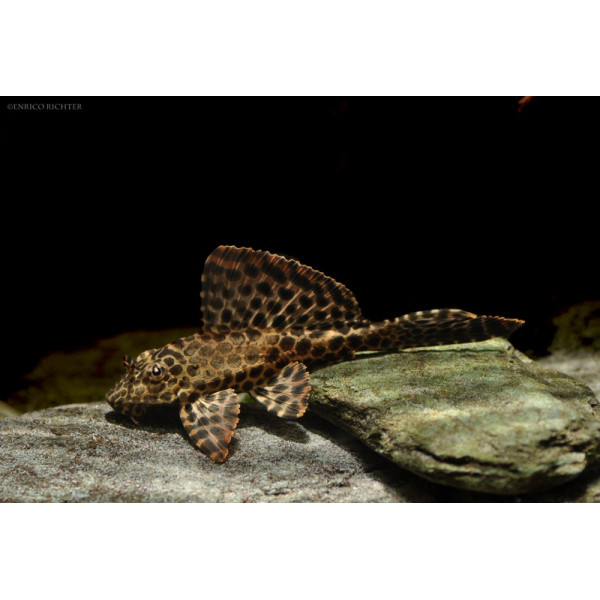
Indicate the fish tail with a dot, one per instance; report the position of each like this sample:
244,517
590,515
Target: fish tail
435,328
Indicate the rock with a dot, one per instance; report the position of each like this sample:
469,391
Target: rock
7,411
88,453
584,365
578,328
575,348
479,416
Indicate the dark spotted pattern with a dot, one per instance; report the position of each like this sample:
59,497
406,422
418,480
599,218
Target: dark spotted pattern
210,422
286,394
267,317
283,294
431,328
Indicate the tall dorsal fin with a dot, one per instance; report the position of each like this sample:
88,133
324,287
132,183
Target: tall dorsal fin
244,288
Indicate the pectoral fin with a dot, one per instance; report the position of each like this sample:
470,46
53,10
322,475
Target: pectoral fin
286,394
210,422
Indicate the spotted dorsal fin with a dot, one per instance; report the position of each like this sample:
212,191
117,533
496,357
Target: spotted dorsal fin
244,288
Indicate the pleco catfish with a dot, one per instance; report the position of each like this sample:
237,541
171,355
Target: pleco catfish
265,319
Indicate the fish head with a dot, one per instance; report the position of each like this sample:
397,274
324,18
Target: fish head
150,379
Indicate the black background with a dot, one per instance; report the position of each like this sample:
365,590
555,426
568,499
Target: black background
109,212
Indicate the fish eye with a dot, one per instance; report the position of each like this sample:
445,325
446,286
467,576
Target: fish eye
157,371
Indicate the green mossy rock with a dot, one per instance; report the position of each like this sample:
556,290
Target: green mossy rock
479,416
85,375
7,411
578,328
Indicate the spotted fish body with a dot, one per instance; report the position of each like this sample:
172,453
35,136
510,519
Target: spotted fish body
266,318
